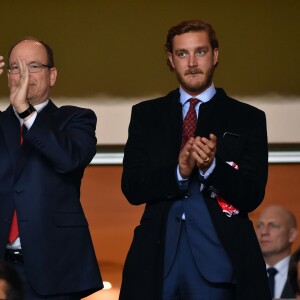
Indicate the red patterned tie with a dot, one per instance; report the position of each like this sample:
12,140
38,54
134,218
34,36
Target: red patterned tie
189,122
14,231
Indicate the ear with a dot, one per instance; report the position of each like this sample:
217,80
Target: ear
53,75
170,56
216,56
293,235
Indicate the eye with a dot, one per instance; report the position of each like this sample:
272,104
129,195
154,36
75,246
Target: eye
273,225
34,66
259,226
200,52
181,54
14,68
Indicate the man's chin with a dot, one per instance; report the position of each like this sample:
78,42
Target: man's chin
29,97
195,89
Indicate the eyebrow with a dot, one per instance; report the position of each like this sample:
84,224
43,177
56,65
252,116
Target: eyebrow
196,49
180,50
31,62
268,223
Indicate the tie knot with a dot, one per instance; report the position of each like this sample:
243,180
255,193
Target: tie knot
272,272
193,102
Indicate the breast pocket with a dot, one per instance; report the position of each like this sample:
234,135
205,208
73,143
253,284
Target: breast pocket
230,146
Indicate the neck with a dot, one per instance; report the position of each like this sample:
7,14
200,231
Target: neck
274,259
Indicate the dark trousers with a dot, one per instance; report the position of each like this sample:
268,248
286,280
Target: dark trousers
29,292
185,282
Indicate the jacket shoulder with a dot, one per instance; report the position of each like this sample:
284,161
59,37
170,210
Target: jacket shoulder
68,113
237,106
71,109
157,103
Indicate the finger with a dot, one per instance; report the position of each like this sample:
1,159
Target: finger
188,145
24,75
210,143
1,64
213,138
23,68
202,147
199,153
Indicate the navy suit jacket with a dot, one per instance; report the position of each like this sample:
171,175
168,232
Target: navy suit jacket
41,180
288,291
150,161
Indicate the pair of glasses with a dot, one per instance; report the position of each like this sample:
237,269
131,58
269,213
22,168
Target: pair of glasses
32,68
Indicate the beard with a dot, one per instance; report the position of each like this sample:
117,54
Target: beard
194,80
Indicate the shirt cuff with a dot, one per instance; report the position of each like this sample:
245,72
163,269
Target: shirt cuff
209,170
28,123
182,182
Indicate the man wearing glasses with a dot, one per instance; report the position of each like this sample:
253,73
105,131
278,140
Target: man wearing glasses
44,150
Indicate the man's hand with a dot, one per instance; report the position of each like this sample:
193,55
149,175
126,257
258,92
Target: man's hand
186,161
204,151
18,90
1,64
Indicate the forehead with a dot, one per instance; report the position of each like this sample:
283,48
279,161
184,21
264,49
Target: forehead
191,40
29,50
274,215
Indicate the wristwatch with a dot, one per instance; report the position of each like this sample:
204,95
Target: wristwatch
27,112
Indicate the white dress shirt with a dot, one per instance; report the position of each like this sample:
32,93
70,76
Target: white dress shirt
281,277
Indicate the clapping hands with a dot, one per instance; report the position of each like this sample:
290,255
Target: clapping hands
1,64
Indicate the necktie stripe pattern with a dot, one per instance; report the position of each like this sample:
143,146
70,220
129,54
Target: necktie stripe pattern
189,122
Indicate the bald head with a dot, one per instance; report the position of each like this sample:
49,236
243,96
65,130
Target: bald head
279,211
276,230
39,43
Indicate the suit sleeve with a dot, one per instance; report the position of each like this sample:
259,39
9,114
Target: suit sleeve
67,139
245,188
148,176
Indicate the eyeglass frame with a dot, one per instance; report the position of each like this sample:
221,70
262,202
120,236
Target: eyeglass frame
38,65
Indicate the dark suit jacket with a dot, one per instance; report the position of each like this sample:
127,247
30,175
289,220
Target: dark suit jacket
42,181
150,161
288,291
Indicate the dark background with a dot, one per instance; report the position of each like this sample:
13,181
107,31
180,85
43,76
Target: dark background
117,47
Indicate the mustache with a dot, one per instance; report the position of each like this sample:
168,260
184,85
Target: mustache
193,71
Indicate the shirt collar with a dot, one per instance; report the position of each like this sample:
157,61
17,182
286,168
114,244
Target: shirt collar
204,96
40,106
282,265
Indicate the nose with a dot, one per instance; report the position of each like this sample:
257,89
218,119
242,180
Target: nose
192,60
264,230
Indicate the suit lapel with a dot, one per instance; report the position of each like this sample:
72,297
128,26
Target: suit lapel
27,147
22,158
174,110
210,116
288,291
10,127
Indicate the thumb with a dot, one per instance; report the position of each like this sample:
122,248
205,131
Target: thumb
213,138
